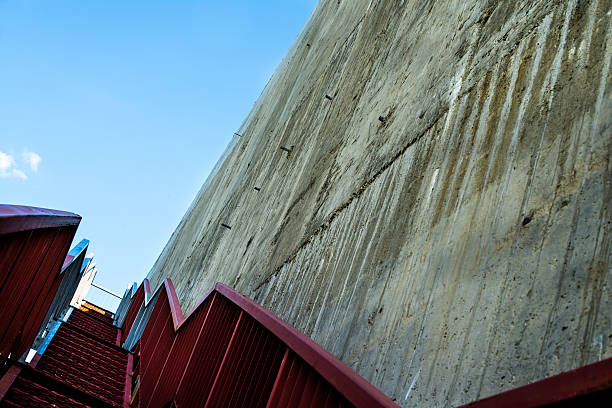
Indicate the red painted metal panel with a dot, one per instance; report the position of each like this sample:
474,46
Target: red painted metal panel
29,285
155,344
22,274
204,362
137,301
34,244
15,289
226,360
36,311
298,385
351,385
243,377
182,348
8,379
12,246
175,306
587,386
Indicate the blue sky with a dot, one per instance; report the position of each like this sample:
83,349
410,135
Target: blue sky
118,110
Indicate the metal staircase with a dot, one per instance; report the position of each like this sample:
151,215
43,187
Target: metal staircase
227,352
79,365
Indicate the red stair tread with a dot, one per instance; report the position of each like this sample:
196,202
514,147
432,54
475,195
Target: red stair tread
25,393
93,326
85,364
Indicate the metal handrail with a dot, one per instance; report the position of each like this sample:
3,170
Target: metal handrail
16,218
343,379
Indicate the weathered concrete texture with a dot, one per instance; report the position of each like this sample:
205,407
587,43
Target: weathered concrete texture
455,249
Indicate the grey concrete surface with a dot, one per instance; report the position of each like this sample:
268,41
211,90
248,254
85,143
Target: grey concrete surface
460,246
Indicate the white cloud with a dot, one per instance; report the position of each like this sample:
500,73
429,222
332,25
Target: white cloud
19,174
8,166
6,162
32,159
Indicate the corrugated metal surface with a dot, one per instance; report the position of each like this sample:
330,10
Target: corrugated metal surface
249,368
352,387
132,312
202,367
34,244
231,352
178,357
155,344
298,385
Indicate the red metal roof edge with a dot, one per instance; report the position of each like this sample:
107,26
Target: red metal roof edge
346,381
578,382
16,218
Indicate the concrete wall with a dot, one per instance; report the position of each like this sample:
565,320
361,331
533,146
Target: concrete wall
460,247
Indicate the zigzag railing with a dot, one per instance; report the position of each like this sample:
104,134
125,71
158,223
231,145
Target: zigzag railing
229,351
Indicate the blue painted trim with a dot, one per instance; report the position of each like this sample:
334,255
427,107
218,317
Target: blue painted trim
49,337
68,313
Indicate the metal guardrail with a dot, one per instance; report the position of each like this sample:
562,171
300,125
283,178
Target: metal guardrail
17,218
137,299
229,351
34,244
70,278
587,386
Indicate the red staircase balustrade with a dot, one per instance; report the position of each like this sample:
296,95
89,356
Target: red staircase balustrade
229,351
34,243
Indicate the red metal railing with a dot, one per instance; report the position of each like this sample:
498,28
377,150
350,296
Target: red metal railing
34,244
587,386
70,278
229,351
137,299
